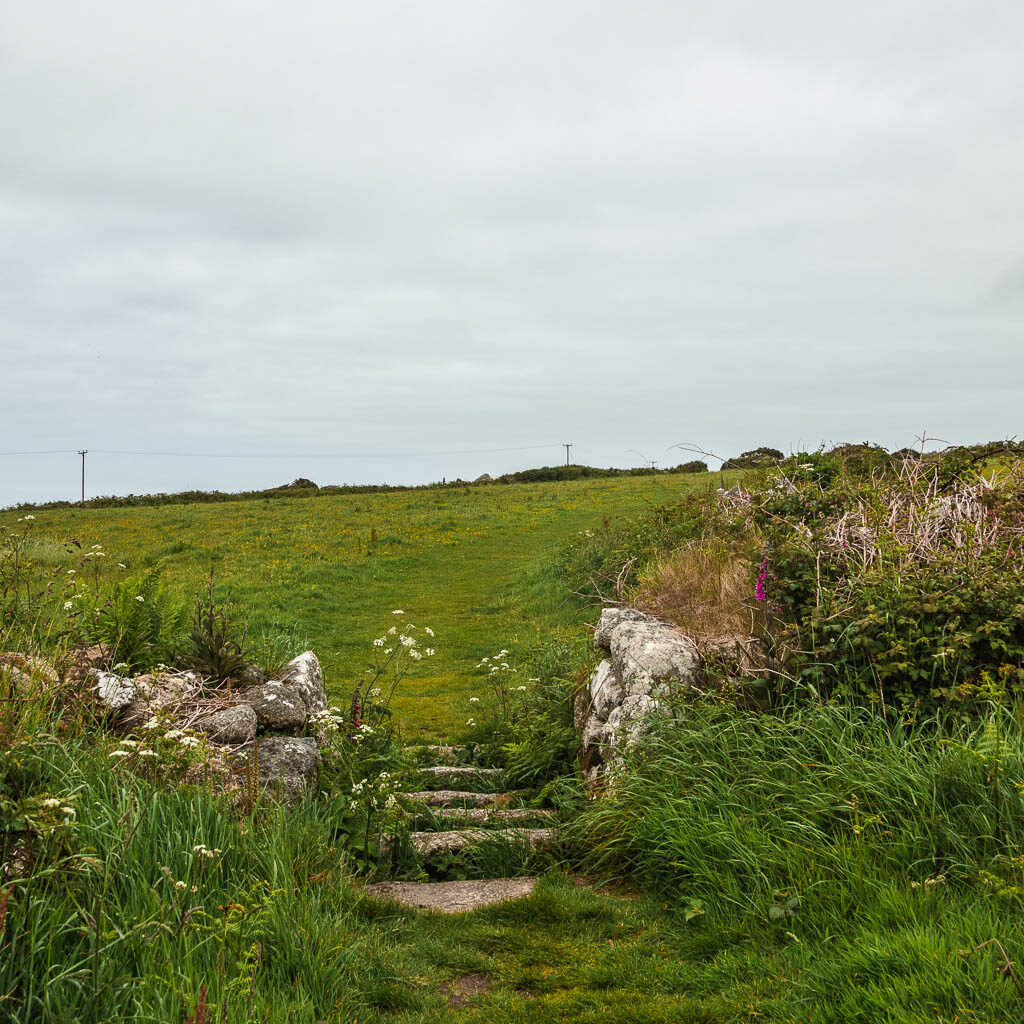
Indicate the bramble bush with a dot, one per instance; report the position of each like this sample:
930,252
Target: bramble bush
899,579
899,586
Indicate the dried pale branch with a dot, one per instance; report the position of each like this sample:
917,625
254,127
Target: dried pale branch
620,580
1007,968
920,522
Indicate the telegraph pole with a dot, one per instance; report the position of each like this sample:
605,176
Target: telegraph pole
83,452
567,447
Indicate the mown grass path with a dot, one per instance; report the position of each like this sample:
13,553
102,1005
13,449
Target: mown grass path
331,570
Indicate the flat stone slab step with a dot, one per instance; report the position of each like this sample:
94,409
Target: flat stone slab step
430,844
456,797
453,897
482,815
458,775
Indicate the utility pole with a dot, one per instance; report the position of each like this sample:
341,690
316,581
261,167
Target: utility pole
567,447
83,452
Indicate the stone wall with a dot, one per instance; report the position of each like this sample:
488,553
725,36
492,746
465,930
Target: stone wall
648,664
271,719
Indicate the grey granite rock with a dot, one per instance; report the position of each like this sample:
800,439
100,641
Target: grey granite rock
149,694
646,653
303,674
278,707
606,690
230,725
610,618
453,897
287,766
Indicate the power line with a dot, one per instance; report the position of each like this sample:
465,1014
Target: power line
283,455
52,451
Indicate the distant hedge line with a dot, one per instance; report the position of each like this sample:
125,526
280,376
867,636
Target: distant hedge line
554,473
304,488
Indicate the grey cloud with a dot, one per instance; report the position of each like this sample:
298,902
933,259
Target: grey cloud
458,225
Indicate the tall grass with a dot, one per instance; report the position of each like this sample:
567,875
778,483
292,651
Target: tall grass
124,899
101,929
872,853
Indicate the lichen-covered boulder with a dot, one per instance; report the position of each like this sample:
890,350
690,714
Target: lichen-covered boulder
26,673
303,674
631,719
648,662
229,725
650,666
142,697
610,618
595,734
286,766
278,708
647,654
606,690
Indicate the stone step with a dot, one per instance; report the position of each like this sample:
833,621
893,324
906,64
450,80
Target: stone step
429,844
460,797
463,776
453,897
483,815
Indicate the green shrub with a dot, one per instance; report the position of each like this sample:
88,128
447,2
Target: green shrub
897,586
756,458
899,580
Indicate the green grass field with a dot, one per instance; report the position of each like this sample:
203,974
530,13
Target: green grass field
466,562
827,862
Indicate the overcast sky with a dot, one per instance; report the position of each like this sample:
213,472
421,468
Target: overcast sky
392,230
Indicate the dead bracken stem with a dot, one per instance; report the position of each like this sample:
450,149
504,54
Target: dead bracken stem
620,582
1007,968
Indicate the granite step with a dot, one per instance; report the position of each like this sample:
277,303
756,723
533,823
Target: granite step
460,797
483,815
453,897
436,754
429,844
